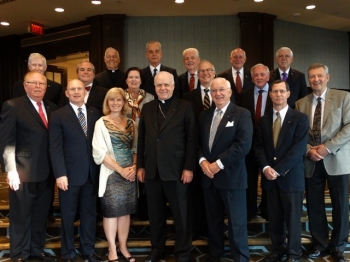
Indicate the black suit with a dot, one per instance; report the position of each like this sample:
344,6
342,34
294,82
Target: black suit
22,128
148,80
247,80
285,194
53,91
185,85
246,99
297,84
71,154
166,147
95,99
227,190
109,79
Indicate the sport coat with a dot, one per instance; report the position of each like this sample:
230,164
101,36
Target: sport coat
52,94
335,131
287,157
297,84
247,80
148,80
232,142
184,85
171,148
70,150
104,79
24,139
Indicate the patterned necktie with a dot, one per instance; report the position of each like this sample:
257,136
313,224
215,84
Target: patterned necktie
41,114
284,76
316,126
191,82
214,127
258,108
206,101
154,72
238,83
87,88
82,120
276,128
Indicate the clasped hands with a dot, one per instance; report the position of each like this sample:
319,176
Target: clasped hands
317,153
270,173
209,169
129,173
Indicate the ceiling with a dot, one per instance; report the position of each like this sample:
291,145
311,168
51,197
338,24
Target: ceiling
331,14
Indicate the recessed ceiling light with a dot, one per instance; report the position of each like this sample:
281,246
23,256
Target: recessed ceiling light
5,23
311,7
59,9
179,1
96,2
258,1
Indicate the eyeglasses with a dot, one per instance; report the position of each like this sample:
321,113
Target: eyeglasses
113,56
220,90
208,70
280,91
33,83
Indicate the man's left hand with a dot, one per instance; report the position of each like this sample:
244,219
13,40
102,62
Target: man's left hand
187,176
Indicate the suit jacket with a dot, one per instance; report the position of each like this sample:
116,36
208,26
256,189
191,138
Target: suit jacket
184,85
287,157
335,131
24,139
104,79
95,99
70,150
230,145
297,84
148,80
247,80
195,97
52,94
171,148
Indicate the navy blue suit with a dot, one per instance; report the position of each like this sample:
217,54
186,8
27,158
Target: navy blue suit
227,190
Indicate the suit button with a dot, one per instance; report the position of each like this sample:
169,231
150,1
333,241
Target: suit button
275,158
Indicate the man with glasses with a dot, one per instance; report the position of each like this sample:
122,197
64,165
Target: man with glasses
279,147
294,78
112,76
225,139
24,147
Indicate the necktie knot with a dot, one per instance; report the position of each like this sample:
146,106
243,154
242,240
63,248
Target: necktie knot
206,100
192,75
319,99
206,90
88,88
260,92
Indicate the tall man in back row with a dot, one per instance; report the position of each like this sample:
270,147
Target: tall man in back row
326,160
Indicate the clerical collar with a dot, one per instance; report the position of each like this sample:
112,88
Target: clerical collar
112,71
165,101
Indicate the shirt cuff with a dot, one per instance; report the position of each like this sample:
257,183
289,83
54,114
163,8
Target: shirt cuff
201,160
220,164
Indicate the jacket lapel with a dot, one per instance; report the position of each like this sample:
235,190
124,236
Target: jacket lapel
288,120
74,118
170,114
328,106
28,104
225,118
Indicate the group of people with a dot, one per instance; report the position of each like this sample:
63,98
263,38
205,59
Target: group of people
195,141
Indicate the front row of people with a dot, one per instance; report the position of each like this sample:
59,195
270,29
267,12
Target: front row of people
76,140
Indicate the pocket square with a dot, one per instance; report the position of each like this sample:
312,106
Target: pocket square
229,123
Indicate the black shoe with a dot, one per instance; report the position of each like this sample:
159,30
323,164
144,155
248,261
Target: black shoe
315,253
293,260
338,256
212,259
128,259
274,257
44,257
154,258
93,258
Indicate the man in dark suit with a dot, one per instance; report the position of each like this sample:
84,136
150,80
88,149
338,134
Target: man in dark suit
188,81
225,139
94,94
258,102
326,160
237,59
168,141
279,148
71,131
24,147
294,78
154,55
37,63
112,76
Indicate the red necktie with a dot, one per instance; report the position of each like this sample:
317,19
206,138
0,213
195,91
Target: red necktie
238,83
41,114
258,108
191,82
87,88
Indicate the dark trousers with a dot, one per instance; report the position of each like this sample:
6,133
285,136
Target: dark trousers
252,190
285,209
177,194
199,221
29,208
339,193
84,198
233,201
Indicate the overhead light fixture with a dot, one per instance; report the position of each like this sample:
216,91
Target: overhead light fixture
258,1
59,9
96,2
5,23
309,7
179,1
